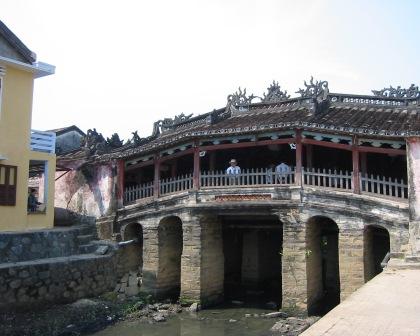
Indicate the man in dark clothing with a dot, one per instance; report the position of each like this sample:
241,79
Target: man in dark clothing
32,201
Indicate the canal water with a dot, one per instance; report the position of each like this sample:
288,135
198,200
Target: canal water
226,321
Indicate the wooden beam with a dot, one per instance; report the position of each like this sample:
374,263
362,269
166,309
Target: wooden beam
209,148
177,154
140,165
393,151
326,144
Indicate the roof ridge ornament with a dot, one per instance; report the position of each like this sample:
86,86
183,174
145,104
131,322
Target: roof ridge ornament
239,98
318,90
398,92
275,94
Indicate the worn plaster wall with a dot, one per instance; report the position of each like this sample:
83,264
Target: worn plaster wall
87,191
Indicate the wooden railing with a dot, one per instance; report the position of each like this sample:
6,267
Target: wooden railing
313,177
176,184
137,192
43,141
327,178
383,186
248,177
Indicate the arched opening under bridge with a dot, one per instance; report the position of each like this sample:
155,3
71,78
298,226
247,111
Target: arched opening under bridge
170,251
322,265
376,246
252,247
133,251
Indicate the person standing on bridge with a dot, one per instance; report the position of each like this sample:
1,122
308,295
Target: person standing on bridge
234,169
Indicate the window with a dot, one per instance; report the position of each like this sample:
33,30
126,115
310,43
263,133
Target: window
8,178
37,186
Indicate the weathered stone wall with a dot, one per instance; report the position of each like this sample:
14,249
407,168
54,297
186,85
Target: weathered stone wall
64,279
89,191
191,259
294,277
38,244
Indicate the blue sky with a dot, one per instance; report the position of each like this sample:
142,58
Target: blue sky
123,65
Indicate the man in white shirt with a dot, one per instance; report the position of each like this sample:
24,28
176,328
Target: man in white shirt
282,172
234,169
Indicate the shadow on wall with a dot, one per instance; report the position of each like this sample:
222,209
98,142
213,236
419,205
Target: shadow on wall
65,217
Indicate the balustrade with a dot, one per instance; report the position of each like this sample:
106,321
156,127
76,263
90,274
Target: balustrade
327,178
310,177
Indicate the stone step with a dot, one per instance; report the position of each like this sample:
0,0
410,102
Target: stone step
87,248
87,230
397,264
412,259
85,239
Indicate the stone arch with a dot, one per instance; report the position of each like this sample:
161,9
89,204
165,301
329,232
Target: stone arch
376,244
322,264
132,253
170,242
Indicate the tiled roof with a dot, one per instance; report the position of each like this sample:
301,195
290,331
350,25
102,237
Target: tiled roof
389,119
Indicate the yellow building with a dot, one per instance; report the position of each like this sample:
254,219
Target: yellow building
23,152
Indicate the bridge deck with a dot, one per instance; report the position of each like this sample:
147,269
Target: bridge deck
387,305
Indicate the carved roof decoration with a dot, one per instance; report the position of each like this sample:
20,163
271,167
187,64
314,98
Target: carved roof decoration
239,98
411,93
318,90
275,94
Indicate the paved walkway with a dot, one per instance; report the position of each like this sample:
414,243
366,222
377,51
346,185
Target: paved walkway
387,305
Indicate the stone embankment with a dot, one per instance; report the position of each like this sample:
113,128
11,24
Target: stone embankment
52,266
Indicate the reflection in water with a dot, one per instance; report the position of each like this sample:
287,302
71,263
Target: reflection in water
210,322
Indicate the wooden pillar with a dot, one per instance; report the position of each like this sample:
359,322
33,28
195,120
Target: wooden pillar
356,166
196,173
298,174
156,185
309,151
120,183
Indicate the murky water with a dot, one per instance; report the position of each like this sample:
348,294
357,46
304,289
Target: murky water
209,322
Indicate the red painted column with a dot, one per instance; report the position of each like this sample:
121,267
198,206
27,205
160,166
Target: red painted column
120,183
156,186
196,173
356,166
298,174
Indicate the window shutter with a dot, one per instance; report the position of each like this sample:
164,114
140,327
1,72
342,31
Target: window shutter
8,179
